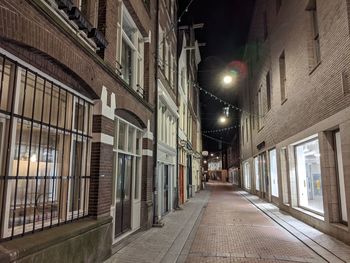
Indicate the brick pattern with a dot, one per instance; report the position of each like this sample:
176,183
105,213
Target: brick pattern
100,197
233,230
102,124
310,97
315,98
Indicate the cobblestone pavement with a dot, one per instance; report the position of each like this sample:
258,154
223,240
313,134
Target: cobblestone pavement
233,229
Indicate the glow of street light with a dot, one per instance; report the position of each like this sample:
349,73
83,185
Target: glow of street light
228,79
222,119
211,154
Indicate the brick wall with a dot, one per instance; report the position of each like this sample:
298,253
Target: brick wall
311,96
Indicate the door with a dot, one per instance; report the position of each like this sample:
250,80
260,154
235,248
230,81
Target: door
123,195
166,189
264,177
189,176
181,184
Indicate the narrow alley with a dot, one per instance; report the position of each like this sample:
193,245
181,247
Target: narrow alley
163,131
224,224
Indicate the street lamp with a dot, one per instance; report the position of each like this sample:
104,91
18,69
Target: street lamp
228,79
223,119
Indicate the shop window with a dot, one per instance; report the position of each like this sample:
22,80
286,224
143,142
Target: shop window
246,175
273,172
47,165
257,175
284,175
309,181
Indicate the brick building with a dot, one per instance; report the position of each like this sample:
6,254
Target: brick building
189,129
294,128
167,110
76,126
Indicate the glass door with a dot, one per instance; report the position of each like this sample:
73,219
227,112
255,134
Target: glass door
166,189
264,177
123,195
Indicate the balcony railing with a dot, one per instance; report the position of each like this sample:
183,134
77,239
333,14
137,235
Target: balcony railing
73,16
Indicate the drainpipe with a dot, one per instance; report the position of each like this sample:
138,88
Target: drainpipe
177,123
155,142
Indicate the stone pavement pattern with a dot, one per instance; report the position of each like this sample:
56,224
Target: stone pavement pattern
234,230
227,225
164,244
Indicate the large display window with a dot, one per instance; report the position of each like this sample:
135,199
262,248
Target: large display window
309,180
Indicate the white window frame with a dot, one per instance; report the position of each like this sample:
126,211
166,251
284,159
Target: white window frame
136,44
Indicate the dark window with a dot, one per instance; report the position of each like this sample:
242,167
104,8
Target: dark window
265,26
278,5
282,63
315,55
268,90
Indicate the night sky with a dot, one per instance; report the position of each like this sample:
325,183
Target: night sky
226,26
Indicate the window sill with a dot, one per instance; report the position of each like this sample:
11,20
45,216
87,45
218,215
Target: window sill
309,213
284,101
315,67
341,226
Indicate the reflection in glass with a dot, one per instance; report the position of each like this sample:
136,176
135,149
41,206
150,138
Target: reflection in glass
309,176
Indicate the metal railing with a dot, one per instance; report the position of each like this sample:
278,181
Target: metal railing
45,137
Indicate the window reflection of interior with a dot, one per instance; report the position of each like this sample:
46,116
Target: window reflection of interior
48,172
309,176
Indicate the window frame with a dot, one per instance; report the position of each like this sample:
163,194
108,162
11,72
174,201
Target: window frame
54,128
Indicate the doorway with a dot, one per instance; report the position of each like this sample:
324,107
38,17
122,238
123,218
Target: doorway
123,195
165,189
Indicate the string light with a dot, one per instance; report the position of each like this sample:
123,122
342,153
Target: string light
222,130
224,102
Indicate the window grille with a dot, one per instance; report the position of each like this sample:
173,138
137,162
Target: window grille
45,142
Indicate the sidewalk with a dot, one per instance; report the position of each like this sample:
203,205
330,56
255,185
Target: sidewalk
328,247
164,244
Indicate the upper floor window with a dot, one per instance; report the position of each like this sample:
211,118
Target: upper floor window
265,26
268,90
132,54
282,66
260,108
314,40
278,5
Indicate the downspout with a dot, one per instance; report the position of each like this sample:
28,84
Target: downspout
177,123
155,142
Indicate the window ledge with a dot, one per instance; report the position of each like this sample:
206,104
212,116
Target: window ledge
341,226
30,244
284,101
315,67
308,212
